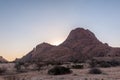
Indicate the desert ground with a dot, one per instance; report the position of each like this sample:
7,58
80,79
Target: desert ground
112,73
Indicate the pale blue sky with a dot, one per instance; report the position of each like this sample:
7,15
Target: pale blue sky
26,23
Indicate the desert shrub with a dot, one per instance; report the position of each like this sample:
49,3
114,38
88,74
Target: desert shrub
93,63
59,70
39,65
2,70
18,67
115,63
53,63
26,65
105,64
77,66
95,71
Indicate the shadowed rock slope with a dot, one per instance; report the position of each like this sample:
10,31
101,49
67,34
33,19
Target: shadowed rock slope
81,44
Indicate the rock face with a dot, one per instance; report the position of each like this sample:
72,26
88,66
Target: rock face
38,53
81,44
2,60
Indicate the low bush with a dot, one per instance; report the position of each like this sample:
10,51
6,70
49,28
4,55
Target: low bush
105,64
59,70
2,70
93,63
39,65
115,63
77,66
53,63
19,66
95,71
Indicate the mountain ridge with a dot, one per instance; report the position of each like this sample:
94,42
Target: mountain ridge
81,44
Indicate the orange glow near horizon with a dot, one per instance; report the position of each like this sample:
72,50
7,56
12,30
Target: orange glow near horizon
12,57
56,41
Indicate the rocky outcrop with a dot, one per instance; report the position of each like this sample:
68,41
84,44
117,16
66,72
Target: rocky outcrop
81,44
38,52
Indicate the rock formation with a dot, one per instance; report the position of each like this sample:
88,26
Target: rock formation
81,44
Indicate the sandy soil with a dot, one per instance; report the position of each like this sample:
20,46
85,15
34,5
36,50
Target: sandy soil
112,73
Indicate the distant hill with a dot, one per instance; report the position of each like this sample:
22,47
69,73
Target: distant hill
2,60
81,44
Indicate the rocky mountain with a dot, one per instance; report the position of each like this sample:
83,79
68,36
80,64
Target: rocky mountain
2,60
39,51
81,44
